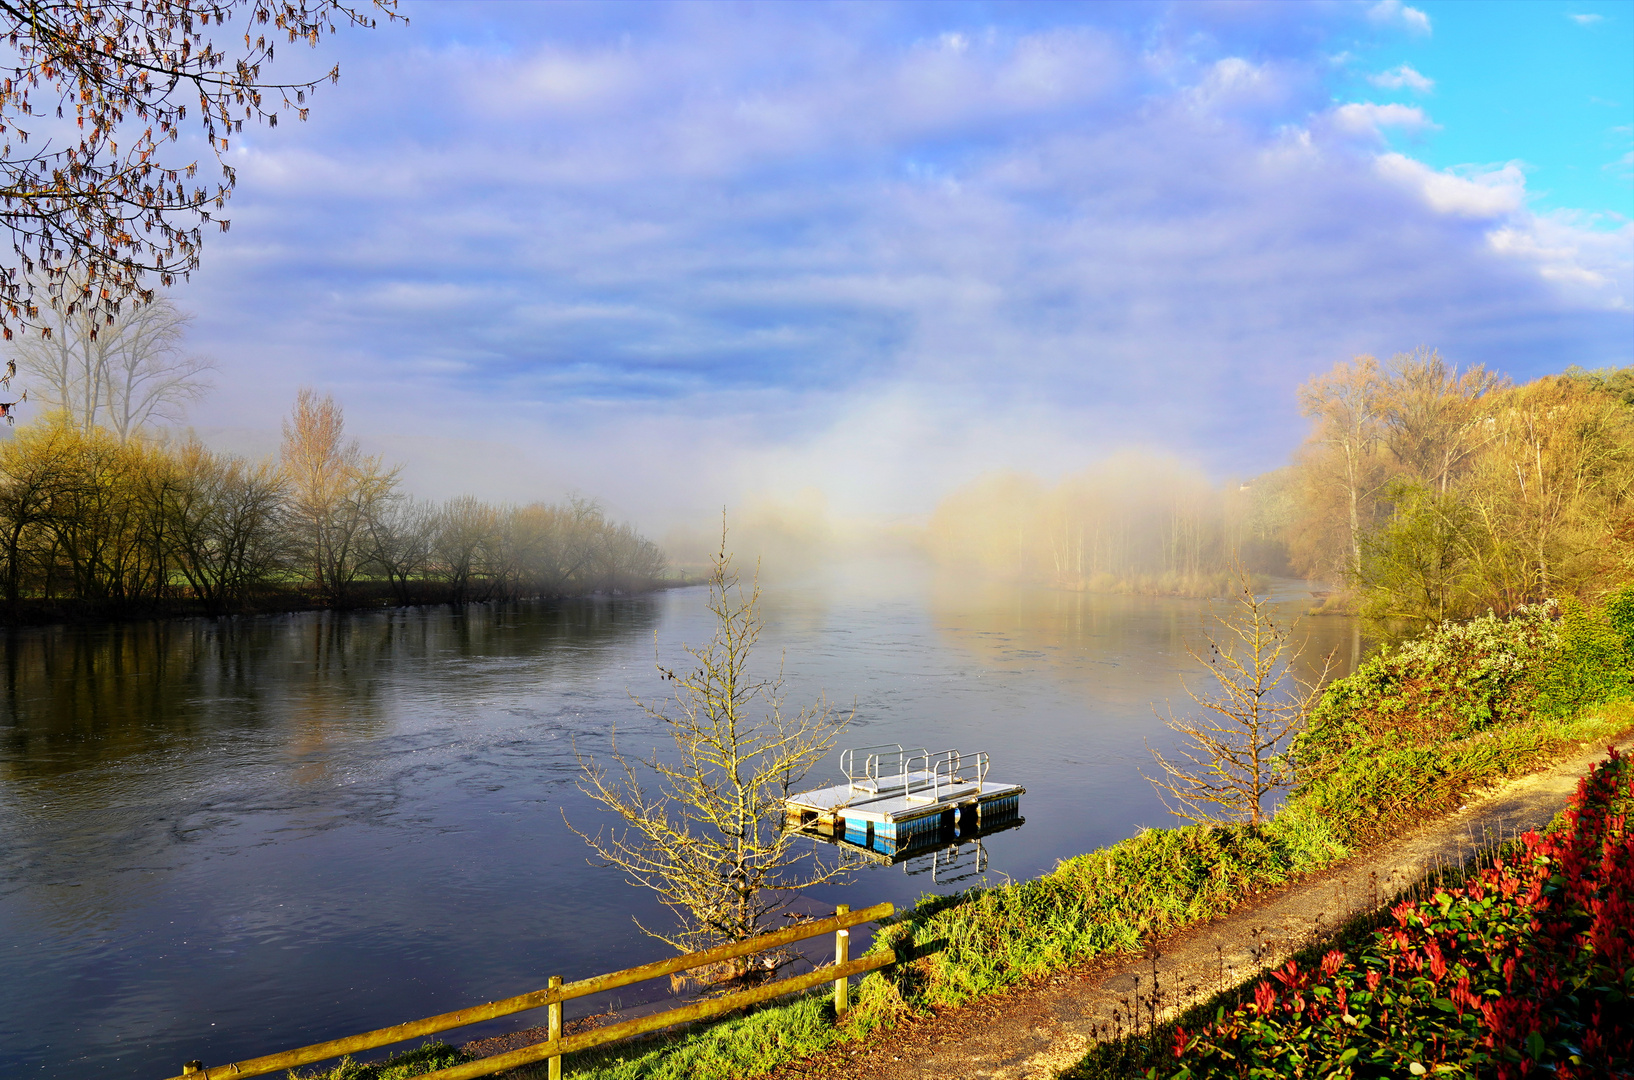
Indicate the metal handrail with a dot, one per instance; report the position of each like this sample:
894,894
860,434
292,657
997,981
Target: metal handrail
943,770
875,760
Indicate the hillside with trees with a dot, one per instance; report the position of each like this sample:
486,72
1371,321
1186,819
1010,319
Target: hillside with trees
1422,493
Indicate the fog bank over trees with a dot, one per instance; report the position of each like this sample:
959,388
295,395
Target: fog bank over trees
1422,492
1136,523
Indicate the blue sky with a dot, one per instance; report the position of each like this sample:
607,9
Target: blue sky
683,255
1548,84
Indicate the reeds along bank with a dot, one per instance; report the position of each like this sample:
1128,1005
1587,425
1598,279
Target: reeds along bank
91,523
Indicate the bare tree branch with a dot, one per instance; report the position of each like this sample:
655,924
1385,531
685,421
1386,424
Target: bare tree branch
1234,759
125,372
707,834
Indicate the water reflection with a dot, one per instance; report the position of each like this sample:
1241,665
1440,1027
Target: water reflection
218,837
76,698
1109,645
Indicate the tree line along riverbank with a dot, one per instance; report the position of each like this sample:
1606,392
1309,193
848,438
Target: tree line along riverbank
93,525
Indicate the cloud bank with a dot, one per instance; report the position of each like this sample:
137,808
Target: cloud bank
676,254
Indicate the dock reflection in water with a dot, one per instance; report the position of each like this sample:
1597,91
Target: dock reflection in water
950,856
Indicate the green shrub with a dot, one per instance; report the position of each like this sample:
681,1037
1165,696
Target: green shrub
1590,665
1619,609
1458,679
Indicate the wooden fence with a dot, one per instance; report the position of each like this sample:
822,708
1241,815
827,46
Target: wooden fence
557,1044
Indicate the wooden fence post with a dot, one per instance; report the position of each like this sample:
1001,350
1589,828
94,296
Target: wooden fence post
842,953
551,998
554,1011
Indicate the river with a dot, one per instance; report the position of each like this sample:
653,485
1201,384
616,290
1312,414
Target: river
220,838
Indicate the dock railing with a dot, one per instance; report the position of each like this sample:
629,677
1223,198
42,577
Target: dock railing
556,1044
878,763
892,761
944,772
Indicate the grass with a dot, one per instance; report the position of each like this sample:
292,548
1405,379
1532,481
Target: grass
416,1062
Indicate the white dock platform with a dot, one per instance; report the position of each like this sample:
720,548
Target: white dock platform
889,805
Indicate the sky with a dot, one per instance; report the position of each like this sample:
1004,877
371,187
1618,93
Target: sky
681,256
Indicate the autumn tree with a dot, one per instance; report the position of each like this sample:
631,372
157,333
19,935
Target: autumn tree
702,826
333,489
1435,418
1552,490
33,472
98,190
1232,757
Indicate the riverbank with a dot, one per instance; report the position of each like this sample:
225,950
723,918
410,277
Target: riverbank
1416,732
1060,1021
367,596
1047,1025
1413,734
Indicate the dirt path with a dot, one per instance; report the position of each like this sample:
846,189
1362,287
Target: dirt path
1038,1029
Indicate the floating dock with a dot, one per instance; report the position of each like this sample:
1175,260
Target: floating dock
896,799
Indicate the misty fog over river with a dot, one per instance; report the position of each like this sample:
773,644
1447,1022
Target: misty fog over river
224,838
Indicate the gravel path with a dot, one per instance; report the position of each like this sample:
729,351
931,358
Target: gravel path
1038,1029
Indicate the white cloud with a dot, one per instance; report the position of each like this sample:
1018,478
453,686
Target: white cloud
1401,77
1366,118
1590,265
1585,20
1394,12
1489,194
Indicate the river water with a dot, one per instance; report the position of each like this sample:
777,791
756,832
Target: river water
220,838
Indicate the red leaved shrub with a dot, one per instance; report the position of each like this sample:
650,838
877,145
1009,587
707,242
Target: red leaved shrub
1523,971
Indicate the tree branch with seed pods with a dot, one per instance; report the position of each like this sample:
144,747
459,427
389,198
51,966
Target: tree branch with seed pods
91,94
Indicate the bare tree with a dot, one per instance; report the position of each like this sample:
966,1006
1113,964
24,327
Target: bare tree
400,533
225,519
1433,415
122,374
709,838
1343,457
464,527
1259,702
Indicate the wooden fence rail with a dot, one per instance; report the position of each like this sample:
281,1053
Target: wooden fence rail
556,992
